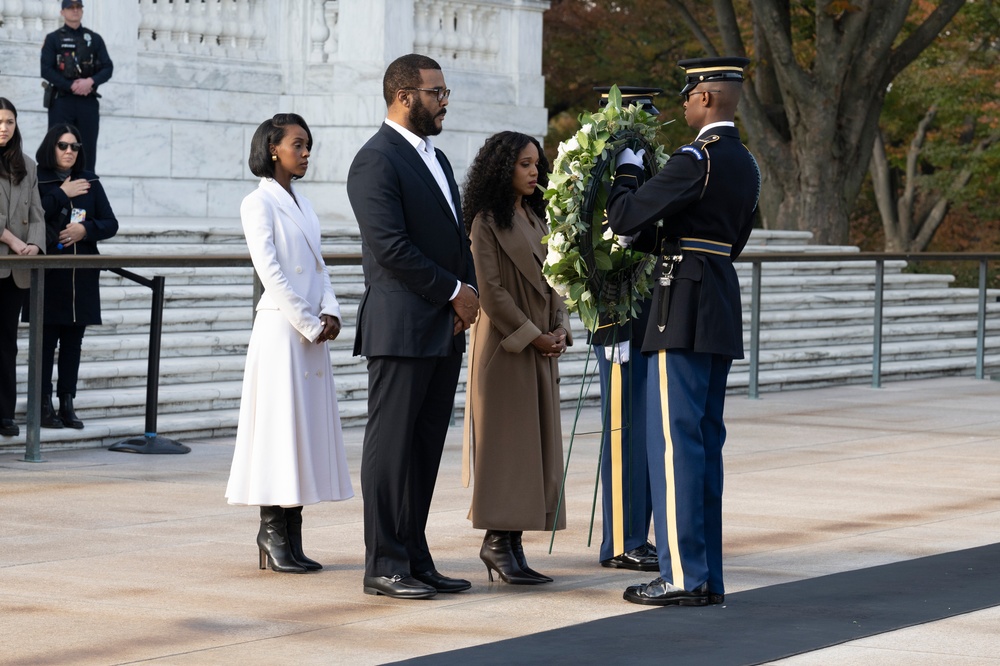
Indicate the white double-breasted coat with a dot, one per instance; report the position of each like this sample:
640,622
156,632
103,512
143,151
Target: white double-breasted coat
289,445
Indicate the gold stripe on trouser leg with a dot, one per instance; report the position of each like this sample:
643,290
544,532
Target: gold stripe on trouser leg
677,569
617,512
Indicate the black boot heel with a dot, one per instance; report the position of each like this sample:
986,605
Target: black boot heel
272,540
496,554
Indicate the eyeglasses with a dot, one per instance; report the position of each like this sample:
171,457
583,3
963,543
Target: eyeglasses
442,93
687,95
75,147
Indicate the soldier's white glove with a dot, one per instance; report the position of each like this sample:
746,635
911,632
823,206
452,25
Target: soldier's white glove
618,353
627,156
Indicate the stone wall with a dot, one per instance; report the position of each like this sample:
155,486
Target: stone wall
194,78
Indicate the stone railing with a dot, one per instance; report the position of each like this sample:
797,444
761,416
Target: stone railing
230,28
460,33
28,20
219,28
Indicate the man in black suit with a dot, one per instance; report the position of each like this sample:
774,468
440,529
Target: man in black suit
706,196
419,300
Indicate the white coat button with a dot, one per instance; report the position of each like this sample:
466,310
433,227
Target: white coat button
307,374
319,373
298,269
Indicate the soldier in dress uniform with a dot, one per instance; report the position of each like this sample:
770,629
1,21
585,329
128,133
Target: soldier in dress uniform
74,63
706,196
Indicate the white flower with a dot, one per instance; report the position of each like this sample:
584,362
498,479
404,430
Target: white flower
588,128
553,257
571,144
608,235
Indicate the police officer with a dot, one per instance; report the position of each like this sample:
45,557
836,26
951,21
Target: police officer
75,62
706,195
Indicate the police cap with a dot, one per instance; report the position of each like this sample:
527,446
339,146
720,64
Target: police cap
70,4
697,70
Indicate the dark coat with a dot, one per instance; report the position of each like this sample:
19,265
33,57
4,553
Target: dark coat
717,204
413,251
72,295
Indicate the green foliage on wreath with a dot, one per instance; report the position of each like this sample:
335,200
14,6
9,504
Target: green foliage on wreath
618,278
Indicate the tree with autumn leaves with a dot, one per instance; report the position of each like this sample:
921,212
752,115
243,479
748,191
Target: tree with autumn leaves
831,84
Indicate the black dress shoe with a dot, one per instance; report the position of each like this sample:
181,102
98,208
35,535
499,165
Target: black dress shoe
8,428
441,583
398,587
661,593
715,599
637,559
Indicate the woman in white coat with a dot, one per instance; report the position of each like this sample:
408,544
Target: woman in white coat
289,445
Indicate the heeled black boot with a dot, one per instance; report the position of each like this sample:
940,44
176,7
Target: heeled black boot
272,540
66,412
497,555
518,550
293,522
49,418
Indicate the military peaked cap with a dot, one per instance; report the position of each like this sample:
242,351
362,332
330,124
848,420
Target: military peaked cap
697,70
632,95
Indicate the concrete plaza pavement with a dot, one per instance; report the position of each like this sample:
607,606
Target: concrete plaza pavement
110,558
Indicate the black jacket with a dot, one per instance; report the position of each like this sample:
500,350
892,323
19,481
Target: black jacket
695,201
72,295
413,251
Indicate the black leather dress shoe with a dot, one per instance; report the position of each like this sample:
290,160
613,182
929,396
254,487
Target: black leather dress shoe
661,593
441,583
8,428
398,587
715,599
637,559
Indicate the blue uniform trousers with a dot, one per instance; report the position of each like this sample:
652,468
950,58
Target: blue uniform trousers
686,394
625,499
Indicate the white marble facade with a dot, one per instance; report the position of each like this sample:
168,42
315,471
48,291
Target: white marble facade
194,78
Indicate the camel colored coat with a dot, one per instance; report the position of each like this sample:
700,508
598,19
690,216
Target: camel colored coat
513,431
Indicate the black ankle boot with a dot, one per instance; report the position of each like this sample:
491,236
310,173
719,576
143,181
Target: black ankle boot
496,554
66,412
518,550
49,418
293,521
272,540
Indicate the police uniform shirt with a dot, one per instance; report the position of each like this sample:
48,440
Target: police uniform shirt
69,54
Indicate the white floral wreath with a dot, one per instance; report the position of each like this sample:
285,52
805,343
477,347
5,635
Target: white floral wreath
600,278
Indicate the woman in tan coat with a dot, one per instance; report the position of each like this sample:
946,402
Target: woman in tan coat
22,233
513,429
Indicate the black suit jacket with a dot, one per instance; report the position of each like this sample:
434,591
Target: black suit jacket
413,251
716,204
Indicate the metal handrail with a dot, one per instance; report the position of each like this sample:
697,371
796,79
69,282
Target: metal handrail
756,259
36,301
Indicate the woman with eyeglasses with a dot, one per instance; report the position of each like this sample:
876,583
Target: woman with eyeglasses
77,216
23,235
512,411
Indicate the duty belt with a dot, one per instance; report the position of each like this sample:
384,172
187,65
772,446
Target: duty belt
670,262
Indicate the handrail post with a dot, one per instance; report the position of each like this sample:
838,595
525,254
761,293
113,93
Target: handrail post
877,344
754,391
36,313
981,324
